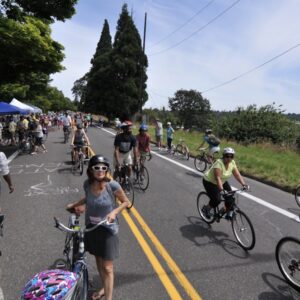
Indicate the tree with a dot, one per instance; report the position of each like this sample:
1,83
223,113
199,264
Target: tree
128,70
99,86
79,90
192,109
48,10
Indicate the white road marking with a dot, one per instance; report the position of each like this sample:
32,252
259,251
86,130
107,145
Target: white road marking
247,195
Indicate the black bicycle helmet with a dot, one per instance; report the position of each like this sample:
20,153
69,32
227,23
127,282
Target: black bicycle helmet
98,159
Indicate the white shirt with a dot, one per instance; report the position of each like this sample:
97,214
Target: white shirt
4,170
67,121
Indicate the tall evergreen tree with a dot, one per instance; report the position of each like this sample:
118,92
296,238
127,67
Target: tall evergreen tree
128,69
98,79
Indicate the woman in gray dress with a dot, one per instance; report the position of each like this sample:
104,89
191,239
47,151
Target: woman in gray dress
103,243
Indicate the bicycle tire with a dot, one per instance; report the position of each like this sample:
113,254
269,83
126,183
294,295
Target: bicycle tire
202,200
143,180
241,217
200,163
85,283
179,150
289,257
297,195
129,192
81,165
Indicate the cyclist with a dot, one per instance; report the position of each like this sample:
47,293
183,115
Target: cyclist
143,143
79,140
124,143
103,243
213,145
67,122
170,134
215,181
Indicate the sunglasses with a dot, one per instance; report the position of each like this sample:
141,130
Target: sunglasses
100,168
228,156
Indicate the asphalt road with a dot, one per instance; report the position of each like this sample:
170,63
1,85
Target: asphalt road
166,251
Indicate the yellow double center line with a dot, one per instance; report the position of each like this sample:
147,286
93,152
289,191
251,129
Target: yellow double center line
162,274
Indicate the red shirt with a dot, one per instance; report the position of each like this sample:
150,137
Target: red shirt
143,142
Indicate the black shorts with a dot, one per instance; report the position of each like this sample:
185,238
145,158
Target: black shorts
100,242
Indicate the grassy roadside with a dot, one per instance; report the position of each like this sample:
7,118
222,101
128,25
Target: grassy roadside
264,162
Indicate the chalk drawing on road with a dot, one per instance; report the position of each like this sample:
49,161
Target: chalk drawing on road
47,188
1,294
36,168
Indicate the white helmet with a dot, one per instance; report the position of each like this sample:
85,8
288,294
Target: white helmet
168,123
228,150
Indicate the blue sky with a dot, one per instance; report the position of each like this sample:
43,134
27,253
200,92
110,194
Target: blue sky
245,36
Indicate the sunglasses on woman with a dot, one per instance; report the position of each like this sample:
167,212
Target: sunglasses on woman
228,156
100,168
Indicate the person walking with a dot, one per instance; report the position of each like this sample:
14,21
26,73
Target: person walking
158,133
103,242
4,171
170,135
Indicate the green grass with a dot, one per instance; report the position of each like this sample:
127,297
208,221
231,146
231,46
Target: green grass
263,161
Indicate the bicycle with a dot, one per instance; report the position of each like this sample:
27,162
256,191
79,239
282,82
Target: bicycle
201,161
240,223
182,149
67,131
121,175
297,195
1,227
141,174
64,284
78,164
288,260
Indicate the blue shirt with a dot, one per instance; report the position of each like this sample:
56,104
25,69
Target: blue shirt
170,131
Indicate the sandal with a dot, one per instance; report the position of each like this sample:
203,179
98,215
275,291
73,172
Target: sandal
97,295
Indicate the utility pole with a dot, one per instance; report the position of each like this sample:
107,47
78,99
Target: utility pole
142,64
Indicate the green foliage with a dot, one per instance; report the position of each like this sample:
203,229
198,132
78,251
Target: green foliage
27,47
48,10
98,86
164,115
79,89
264,124
13,90
192,109
128,69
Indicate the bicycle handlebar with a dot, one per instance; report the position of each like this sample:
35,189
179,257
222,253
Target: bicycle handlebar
64,228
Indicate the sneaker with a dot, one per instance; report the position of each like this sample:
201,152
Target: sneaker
33,153
229,215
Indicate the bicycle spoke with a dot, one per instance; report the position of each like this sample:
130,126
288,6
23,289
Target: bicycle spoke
205,213
288,260
243,230
143,178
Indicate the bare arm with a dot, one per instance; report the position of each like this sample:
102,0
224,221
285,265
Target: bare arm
124,203
86,138
237,175
218,174
75,204
116,154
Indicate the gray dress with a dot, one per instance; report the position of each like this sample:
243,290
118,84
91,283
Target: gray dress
103,241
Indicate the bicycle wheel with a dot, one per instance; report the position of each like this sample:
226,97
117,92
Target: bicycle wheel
84,283
143,178
200,163
243,230
297,195
287,257
81,165
202,203
129,191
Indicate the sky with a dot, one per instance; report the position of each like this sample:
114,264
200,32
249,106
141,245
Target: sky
200,45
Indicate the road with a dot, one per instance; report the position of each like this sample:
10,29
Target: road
166,251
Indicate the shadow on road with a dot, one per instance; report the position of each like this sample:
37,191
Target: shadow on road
280,289
199,230
195,175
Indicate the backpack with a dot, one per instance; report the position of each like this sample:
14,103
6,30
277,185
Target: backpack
214,141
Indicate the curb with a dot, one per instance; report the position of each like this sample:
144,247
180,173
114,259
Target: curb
13,156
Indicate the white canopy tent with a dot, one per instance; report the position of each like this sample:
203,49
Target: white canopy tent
22,105
36,109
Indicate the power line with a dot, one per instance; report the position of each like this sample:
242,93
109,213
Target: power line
199,29
251,70
184,24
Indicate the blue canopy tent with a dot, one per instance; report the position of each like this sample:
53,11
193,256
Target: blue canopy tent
8,109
